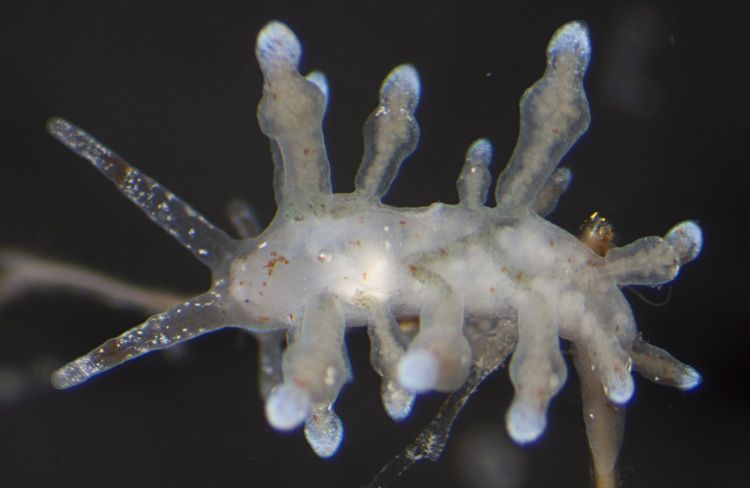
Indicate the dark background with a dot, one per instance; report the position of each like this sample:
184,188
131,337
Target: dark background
173,86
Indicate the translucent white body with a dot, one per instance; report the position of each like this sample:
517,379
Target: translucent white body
329,261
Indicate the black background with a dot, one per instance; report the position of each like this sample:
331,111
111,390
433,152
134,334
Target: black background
173,86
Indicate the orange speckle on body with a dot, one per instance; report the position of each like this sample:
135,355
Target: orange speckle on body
271,264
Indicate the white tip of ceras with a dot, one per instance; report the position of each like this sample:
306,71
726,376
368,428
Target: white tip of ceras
524,422
690,379
619,388
277,47
287,407
480,152
401,88
686,238
572,38
324,431
418,371
318,78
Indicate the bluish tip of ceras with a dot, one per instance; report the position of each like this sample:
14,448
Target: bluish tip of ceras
474,181
418,371
288,406
401,89
690,379
571,39
686,238
277,47
318,78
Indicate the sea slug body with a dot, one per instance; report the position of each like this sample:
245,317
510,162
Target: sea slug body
329,261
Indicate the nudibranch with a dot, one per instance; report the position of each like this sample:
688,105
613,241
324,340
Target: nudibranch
329,261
